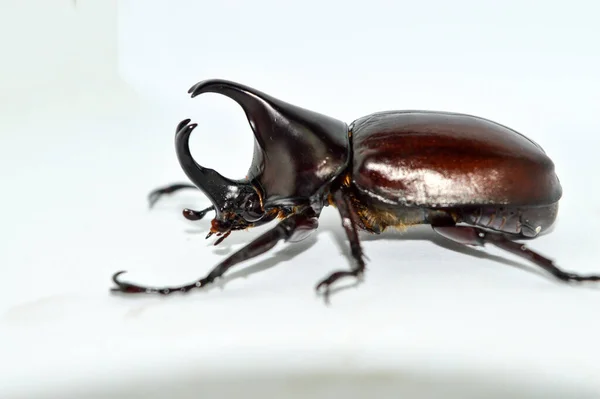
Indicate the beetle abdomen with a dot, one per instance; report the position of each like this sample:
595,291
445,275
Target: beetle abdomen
524,221
440,159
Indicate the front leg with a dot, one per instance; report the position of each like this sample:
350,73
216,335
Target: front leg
189,214
288,229
157,193
349,222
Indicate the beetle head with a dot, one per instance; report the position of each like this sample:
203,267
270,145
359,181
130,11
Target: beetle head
237,203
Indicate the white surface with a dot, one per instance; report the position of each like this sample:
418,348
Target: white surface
46,43
431,320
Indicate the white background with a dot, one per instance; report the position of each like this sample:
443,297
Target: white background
91,94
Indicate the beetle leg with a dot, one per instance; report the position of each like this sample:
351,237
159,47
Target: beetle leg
155,195
349,222
189,214
287,229
478,237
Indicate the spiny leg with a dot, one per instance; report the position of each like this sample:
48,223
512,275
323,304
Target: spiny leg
156,194
189,214
478,237
285,230
349,223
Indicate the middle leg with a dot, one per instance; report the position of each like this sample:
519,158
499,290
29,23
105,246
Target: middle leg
349,222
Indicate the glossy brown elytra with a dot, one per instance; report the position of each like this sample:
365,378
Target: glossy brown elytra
473,180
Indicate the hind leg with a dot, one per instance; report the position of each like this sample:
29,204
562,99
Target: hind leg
474,236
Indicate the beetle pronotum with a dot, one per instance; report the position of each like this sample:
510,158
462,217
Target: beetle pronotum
473,180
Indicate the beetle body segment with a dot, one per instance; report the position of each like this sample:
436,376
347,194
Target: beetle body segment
525,222
440,160
474,181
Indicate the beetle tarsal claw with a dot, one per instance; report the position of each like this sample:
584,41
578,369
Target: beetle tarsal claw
125,287
325,284
129,288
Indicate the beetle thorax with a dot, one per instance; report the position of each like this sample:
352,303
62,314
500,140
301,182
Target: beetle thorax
297,168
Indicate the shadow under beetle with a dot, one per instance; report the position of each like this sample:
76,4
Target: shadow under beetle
473,180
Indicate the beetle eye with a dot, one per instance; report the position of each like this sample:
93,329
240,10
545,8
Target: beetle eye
252,211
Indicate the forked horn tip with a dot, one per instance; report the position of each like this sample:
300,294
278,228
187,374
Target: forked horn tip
182,124
192,89
185,127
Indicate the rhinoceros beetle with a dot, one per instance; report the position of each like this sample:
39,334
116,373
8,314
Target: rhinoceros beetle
474,181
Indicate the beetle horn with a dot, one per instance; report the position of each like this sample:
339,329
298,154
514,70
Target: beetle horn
216,187
267,114
257,105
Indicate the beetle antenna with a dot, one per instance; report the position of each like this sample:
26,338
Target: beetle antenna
193,215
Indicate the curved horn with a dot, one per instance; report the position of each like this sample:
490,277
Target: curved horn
268,115
217,188
257,106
